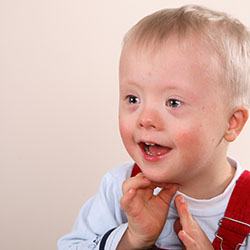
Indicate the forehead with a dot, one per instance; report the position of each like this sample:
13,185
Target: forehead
185,60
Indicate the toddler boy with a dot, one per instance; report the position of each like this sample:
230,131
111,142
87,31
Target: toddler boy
184,92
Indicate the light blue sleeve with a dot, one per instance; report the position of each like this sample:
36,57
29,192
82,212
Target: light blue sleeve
98,215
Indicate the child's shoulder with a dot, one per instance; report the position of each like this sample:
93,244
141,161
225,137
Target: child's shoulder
111,183
116,176
121,172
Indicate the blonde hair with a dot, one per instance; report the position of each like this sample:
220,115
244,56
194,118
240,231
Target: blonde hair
227,36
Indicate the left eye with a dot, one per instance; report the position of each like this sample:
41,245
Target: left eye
173,103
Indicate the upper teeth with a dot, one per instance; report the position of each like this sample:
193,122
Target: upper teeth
149,144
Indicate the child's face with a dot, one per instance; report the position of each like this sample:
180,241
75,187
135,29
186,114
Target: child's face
172,113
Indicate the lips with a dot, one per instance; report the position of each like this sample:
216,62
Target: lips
153,151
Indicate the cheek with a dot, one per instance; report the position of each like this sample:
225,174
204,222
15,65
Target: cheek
186,139
189,138
191,147
126,133
196,139
125,130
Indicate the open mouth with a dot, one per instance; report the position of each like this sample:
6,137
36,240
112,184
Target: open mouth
153,149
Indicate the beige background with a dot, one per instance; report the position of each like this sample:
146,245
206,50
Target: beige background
58,108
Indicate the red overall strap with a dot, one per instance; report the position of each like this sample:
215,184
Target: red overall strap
235,225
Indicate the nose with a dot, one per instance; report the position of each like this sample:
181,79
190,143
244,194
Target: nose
150,119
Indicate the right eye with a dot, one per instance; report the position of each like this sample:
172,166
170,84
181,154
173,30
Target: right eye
132,99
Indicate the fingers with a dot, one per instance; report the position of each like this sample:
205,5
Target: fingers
186,218
189,242
167,193
191,233
139,181
138,191
126,201
196,242
129,202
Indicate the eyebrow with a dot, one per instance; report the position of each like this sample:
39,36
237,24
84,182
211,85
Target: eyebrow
170,87
132,83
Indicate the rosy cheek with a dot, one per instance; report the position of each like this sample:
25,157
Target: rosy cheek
124,130
188,138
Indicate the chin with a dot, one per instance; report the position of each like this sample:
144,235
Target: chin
156,177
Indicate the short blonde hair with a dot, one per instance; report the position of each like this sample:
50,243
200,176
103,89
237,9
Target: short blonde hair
227,36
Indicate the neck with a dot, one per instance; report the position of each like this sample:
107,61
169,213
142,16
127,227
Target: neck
211,183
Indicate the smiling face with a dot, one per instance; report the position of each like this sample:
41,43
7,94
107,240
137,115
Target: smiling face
172,113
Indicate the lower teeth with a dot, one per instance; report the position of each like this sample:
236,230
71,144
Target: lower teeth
148,151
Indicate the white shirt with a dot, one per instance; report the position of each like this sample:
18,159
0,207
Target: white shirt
102,212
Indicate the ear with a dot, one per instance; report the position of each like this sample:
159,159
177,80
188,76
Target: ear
236,123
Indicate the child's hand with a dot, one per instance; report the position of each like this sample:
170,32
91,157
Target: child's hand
146,212
190,233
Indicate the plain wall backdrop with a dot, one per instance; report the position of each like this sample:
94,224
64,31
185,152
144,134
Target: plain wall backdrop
58,108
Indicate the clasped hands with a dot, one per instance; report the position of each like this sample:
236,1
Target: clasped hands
147,214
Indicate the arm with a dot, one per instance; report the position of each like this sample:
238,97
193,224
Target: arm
98,215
